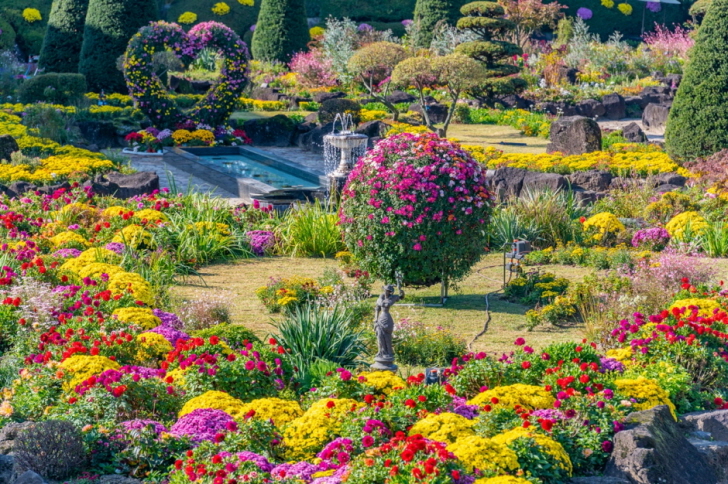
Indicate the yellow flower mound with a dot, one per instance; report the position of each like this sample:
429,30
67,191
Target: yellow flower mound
187,18
316,32
68,237
181,136
705,306
114,211
99,254
603,224
83,366
32,15
277,410
647,393
480,453
680,223
221,8
150,215
152,347
217,401
383,381
94,270
549,445
529,397
204,135
625,8
134,235
52,168
126,282
140,316
205,227
445,427
623,355
502,480
247,3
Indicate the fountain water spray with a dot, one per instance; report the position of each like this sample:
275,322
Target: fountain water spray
341,150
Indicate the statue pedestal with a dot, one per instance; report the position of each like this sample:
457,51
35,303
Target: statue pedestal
384,364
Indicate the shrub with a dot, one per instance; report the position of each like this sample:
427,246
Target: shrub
403,211
313,69
204,313
53,449
233,334
64,36
429,13
281,30
311,231
372,65
697,125
53,89
109,26
331,107
7,37
418,345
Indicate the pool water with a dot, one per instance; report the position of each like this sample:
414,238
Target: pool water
241,166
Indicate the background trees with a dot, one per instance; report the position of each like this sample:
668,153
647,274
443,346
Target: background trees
281,31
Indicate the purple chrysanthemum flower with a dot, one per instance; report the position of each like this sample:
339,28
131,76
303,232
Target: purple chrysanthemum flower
301,470
654,7
610,364
66,253
116,247
261,241
139,424
201,424
365,28
584,13
170,334
256,459
468,411
168,319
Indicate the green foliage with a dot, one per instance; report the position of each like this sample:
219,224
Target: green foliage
331,107
418,345
390,11
29,36
109,26
428,13
64,36
311,231
53,89
697,125
7,38
281,31
234,335
535,287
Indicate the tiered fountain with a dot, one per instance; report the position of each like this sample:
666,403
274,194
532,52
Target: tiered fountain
341,150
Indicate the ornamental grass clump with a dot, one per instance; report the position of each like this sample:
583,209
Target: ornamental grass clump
416,205
53,449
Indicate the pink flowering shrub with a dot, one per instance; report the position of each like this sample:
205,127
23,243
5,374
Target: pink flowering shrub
670,47
313,69
416,204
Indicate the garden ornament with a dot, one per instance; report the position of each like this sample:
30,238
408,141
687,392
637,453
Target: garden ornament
383,327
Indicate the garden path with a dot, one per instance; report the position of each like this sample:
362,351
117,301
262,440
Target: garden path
656,135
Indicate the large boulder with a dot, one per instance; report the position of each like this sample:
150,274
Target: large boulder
634,134
575,135
594,180
436,112
670,179
100,133
313,140
374,129
15,190
653,449
7,463
275,131
8,146
591,108
614,106
398,97
266,94
655,116
124,186
320,97
508,181
537,181
515,101
714,422
29,477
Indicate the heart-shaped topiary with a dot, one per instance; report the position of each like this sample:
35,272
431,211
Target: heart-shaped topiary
146,88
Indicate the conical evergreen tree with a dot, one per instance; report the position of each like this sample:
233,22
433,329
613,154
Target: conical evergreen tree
486,20
64,36
109,26
281,31
428,13
698,121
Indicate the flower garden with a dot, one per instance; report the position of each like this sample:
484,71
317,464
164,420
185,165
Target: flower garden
118,361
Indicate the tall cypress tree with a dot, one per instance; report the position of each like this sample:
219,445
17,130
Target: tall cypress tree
64,36
281,31
428,13
109,26
698,121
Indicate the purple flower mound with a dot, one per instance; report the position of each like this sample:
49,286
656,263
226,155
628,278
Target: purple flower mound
336,478
610,364
260,241
549,413
365,28
117,247
468,411
66,253
256,459
584,13
653,239
141,424
301,470
201,424
654,7
168,319
170,334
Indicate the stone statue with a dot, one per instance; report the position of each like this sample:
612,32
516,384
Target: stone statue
383,327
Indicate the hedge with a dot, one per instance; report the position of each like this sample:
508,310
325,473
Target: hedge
64,36
53,88
281,31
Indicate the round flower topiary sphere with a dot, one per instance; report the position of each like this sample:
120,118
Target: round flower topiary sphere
416,204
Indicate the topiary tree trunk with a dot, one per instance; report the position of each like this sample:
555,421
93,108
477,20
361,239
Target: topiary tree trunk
281,31
428,13
485,19
64,35
109,26
698,122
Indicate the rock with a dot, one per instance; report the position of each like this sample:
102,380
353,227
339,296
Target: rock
716,453
591,108
275,131
49,190
436,112
587,197
568,73
7,463
508,181
17,189
374,129
537,181
8,146
314,139
29,477
311,118
667,187
320,97
398,97
597,480
575,135
516,101
714,422
266,94
673,80
100,133
548,107
633,106
652,449
294,101
614,106
634,134
594,180
678,180
124,186
655,116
